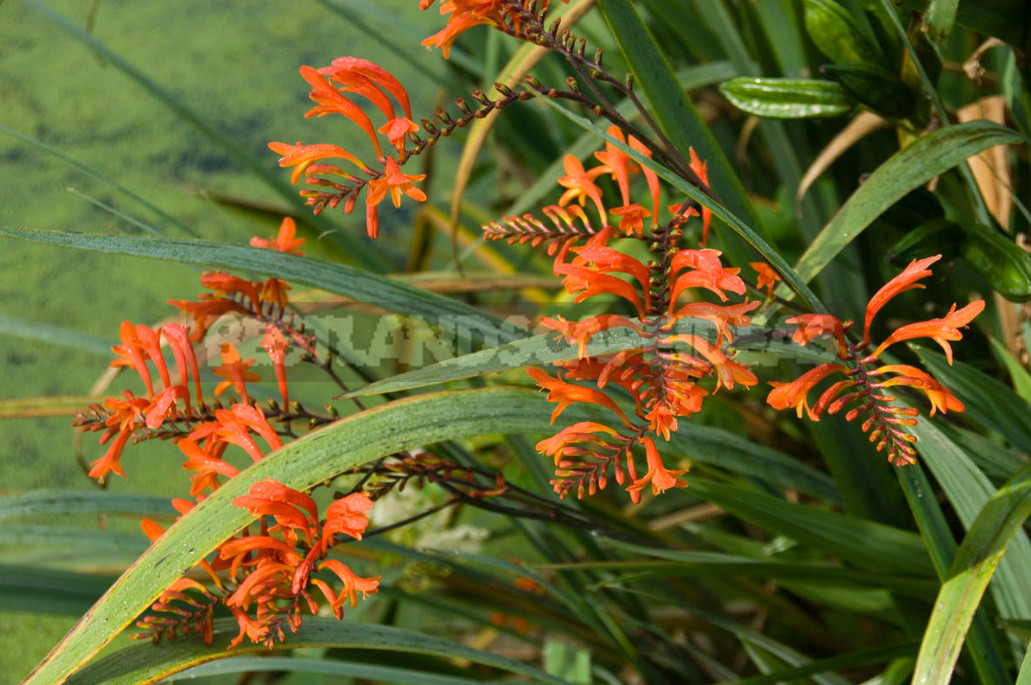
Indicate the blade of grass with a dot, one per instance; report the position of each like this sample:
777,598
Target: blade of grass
330,667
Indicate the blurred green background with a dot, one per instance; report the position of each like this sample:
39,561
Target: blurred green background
233,63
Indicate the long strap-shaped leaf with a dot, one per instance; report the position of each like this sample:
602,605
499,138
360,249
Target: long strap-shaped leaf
904,171
356,439
363,286
146,663
968,577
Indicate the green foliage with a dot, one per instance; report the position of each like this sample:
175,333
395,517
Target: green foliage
790,556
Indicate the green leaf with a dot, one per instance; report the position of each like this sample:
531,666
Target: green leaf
374,433
677,115
987,401
941,16
979,554
689,563
875,87
341,669
931,155
1019,376
1008,20
969,491
143,662
836,34
70,539
788,98
392,295
83,502
864,543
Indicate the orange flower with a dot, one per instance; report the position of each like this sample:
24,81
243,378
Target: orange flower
940,397
942,330
566,394
330,101
208,467
301,156
579,333
705,271
585,283
727,371
293,510
631,219
616,163
650,177
286,240
236,372
721,316
395,183
580,186
812,326
275,344
702,170
346,516
767,277
658,475
178,338
352,584
907,280
582,432
794,394
206,311
131,353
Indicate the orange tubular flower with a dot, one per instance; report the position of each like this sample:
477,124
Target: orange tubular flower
346,516
275,344
812,326
702,170
580,186
395,183
650,177
301,156
795,393
768,278
658,475
907,280
286,240
617,164
236,372
941,398
579,333
566,394
942,330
